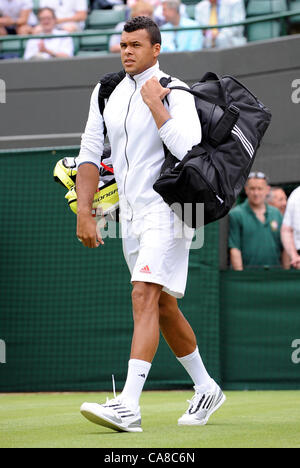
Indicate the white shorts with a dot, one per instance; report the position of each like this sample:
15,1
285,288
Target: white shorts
156,247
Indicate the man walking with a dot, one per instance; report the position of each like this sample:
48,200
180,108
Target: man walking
139,122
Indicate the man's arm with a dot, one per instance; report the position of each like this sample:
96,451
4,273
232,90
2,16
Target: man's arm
285,260
236,259
76,18
87,180
23,17
6,21
287,239
234,241
179,126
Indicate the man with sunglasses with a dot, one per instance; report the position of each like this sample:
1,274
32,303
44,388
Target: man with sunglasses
254,237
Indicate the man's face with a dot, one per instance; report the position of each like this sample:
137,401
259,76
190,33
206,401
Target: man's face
279,200
170,14
47,21
257,190
137,52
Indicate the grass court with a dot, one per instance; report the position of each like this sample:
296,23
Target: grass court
248,419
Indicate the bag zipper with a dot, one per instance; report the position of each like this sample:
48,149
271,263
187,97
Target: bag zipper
209,184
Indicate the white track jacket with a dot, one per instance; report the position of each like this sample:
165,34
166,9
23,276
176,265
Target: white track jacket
136,143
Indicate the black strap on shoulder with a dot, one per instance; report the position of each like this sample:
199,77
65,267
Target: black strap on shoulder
164,81
210,76
108,83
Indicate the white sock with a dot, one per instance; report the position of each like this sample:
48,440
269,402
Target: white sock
138,371
194,366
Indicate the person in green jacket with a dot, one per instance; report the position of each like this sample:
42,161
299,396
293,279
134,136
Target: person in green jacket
254,234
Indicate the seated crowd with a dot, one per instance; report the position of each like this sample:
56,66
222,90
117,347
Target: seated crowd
17,17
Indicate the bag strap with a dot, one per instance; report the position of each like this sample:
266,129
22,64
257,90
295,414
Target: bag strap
108,83
210,76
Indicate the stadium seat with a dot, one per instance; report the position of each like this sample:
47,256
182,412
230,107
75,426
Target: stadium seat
104,19
36,5
265,7
91,53
191,2
93,43
12,48
294,5
190,9
268,29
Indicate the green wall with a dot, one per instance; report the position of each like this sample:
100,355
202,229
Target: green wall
65,311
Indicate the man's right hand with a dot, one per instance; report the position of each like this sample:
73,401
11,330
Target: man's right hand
295,262
87,231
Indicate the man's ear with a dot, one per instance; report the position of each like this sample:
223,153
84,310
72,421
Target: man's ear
156,49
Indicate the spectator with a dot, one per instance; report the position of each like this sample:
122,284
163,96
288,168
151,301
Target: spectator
290,231
211,12
158,10
254,235
132,3
277,197
179,41
70,14
52,47
105,4
14,17
140,8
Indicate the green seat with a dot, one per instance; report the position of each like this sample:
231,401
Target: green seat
265,7
294,6
105,19
36,5
263,31
267,29
94,43
190,10
12,47
91,53
76,44
191,2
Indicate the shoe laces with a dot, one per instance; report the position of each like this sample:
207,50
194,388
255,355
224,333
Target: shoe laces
198,399
115,399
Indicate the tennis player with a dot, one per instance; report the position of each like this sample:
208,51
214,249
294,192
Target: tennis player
138,123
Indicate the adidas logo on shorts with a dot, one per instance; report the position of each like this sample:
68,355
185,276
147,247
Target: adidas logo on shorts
145,269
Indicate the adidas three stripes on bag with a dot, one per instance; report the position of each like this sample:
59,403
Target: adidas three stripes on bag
214,172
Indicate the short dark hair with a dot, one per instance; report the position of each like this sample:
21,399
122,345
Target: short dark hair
143,22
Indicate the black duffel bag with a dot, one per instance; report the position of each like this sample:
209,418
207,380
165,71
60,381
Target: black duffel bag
213,173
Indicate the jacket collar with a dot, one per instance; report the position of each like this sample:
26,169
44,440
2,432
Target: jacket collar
141,78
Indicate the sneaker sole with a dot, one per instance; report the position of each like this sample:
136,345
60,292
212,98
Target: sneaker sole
204,421
102,421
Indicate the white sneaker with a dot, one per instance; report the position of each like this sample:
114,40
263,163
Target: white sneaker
202,406
114,414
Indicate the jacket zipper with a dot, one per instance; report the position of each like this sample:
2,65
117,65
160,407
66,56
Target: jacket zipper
125,121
